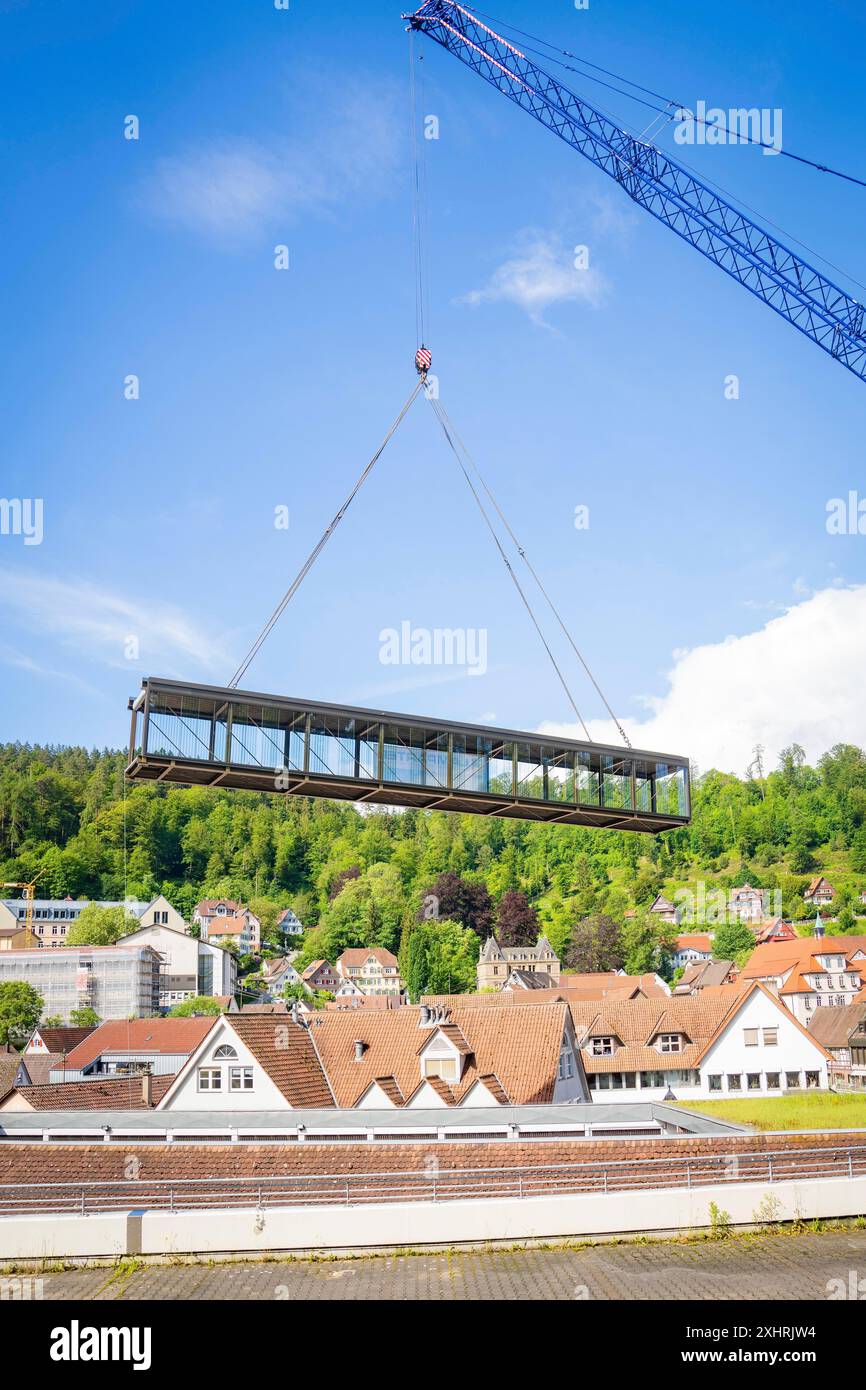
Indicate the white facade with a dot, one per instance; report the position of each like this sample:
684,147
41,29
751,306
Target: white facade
224,1075
189,967
760,1052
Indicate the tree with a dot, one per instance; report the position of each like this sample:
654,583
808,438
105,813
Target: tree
459,900
202,1004
441,958
640,945
732,941
20,1009
516,921
101,926
594,945
85,1017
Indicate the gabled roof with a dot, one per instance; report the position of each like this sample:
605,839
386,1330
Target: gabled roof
286,1051
9,1064
175,1036
699,1017
62,1039
815,883
104,1093
833,1027
520,1046
359,955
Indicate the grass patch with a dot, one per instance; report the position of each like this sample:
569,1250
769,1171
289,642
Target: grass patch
819,1110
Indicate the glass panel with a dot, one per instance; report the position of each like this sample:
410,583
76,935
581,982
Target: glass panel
470,762
643,784
435,759
502,769
344,748
258,740
179,728
671,790
560,774
404,755
588,778
530,770
616,782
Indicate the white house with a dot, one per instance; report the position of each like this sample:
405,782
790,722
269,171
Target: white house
189,967
811,972
690,948
733,1042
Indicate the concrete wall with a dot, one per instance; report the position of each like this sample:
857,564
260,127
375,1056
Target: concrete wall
415,1224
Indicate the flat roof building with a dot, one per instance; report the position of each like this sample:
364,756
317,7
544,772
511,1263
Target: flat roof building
116,981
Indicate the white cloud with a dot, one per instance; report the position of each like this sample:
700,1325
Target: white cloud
798,679
96,624
227,186
540,274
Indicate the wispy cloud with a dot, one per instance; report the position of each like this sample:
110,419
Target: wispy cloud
97,625
229,186
724,697
540,273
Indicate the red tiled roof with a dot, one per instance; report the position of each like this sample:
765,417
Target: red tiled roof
356,956
106,1093
165,1035
286,1051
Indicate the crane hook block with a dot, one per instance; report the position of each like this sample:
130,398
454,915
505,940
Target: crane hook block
423,361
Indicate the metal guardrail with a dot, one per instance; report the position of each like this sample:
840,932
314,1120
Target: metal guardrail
358,1189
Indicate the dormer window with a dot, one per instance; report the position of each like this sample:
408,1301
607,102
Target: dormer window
670,1042
443,1067
601,1047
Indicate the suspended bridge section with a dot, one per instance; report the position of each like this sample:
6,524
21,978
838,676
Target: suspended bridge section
200,735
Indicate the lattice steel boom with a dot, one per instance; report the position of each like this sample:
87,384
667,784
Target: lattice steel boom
746,251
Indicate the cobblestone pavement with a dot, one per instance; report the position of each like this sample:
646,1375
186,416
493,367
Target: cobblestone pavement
761,1267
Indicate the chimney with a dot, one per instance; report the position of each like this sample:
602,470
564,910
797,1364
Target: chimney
818,929
147,1090
425,1016
360,1049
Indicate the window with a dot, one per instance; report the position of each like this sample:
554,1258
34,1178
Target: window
670,1042
735,1083
444,1067
773,1080
771,1037
792,1080
210,1079
753,1081
240,1078
715,1083
813,1080
566,1064
601,1047
750,1037
225,1054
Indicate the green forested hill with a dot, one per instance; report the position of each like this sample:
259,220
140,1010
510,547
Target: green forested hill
66,816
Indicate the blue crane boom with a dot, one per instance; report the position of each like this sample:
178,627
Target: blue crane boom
725,235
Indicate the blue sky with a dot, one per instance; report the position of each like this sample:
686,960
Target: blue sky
707,592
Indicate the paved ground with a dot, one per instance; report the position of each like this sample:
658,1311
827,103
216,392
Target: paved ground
765,1268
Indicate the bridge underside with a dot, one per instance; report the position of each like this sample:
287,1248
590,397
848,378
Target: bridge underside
197,735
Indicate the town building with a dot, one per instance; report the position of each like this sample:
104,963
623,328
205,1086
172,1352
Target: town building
732,1042
222,919
777,929
127,1047
52,917
321,975
496,962
116,981
189,966
691,947
289,925
371,970
664,910
707,974
843,1033
48,1047
746,904
811,972
18,939
820,892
